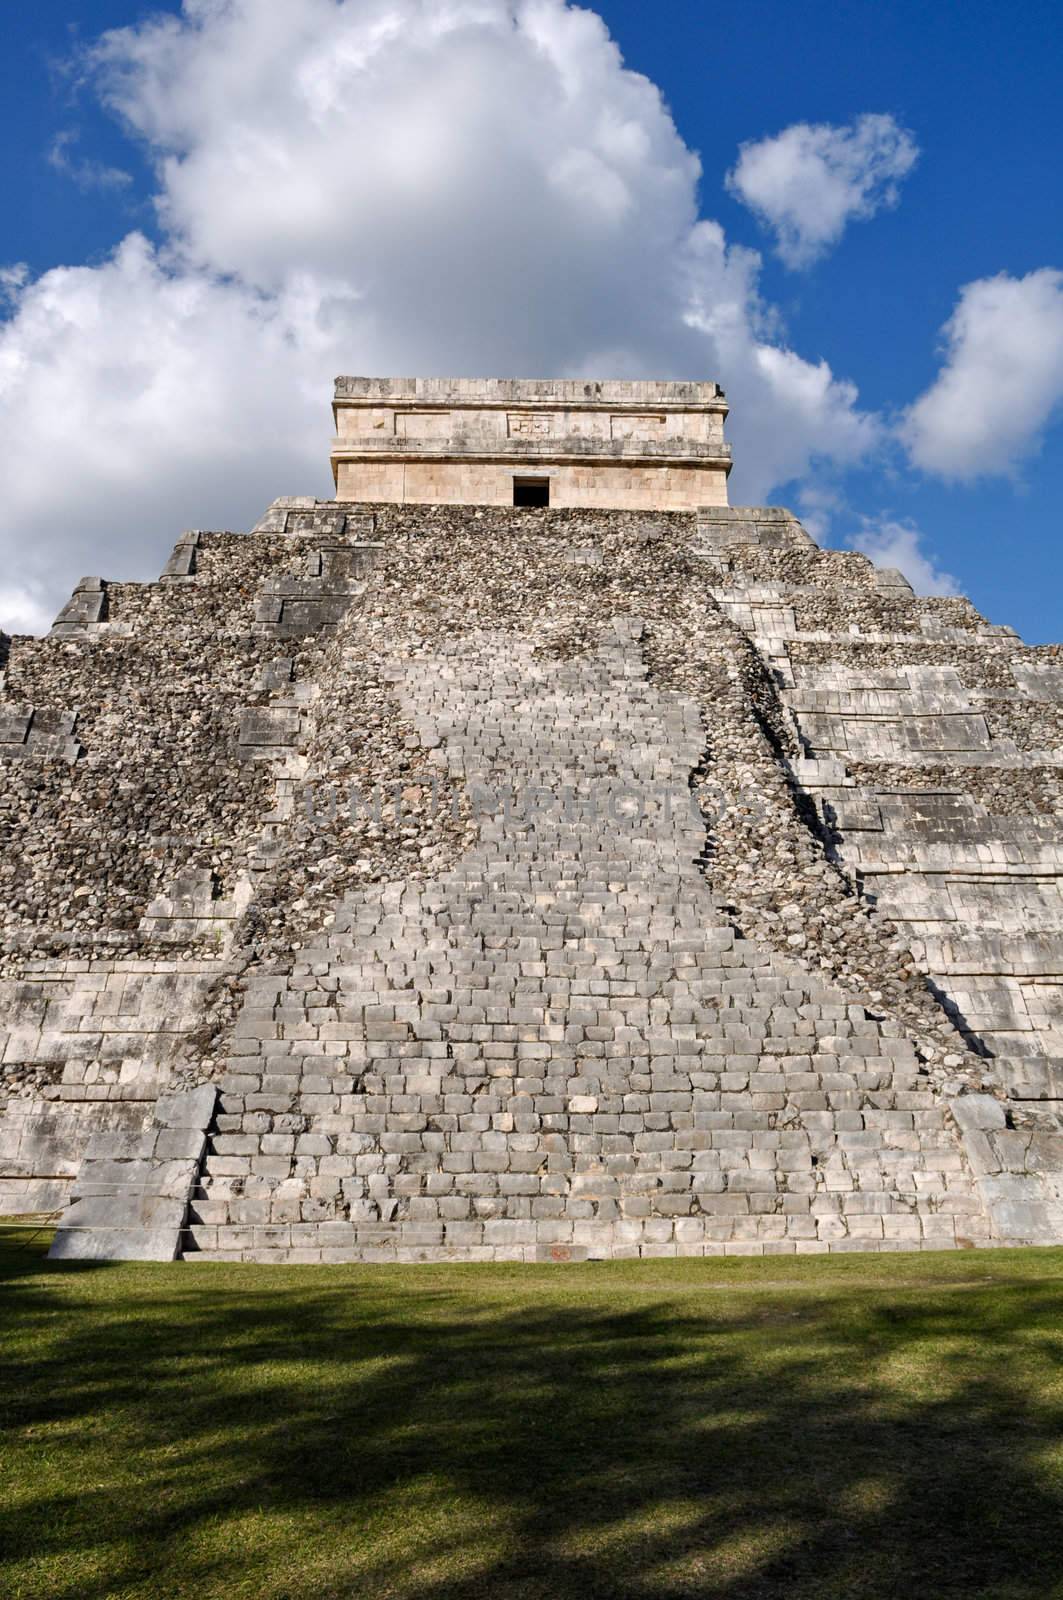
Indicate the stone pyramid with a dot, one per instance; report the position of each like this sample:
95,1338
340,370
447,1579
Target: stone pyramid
413,879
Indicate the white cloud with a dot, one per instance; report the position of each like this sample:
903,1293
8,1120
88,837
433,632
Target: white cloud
899,544
23,611
819,503
789,412
137,400
1001,380
87,174
808,182
389,186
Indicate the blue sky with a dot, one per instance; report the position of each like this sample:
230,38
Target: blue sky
976,86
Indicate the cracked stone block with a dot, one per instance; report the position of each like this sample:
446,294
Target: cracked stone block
190,1108
979,1112
1021,1211
269,726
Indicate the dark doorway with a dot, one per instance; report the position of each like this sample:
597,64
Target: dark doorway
531,491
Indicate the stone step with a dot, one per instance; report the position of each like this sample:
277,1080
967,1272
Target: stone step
130,1198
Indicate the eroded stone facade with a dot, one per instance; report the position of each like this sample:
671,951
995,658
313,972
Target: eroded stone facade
626,445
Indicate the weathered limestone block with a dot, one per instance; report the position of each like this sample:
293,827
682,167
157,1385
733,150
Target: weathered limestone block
269,726
182,563
130,1201
42,1145
86,607
15,725
1040,682
37,733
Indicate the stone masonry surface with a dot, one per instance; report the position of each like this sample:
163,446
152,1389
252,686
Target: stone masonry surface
623,444
425,882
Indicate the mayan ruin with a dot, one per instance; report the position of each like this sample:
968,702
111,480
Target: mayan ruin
528,856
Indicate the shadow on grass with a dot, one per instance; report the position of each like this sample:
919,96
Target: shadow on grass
468,1433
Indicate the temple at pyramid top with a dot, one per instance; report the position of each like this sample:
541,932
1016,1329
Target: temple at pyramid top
626,444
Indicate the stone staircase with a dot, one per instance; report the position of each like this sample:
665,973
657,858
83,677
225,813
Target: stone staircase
562,1048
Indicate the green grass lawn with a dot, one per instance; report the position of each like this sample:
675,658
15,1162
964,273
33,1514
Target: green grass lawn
849,1427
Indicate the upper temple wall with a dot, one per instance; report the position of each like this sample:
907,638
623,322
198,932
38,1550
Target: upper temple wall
628,445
